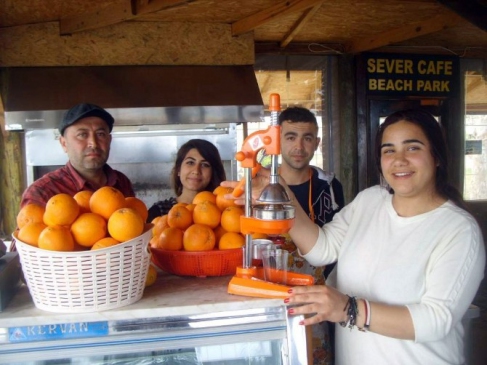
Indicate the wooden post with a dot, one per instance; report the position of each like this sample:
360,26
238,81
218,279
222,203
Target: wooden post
11,177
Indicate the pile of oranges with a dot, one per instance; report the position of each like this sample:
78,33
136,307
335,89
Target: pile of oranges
209,222
87,220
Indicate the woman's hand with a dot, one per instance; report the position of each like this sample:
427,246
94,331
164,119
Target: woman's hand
318,303
324,303
259,182
304,232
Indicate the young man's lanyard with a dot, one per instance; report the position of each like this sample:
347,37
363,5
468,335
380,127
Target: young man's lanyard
310,195
310,198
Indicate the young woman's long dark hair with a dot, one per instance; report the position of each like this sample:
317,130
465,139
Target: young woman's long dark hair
210,153
436,137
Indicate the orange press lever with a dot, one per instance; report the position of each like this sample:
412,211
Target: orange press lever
267,139
239,189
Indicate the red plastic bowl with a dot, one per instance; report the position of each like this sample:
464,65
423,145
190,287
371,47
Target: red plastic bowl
201,263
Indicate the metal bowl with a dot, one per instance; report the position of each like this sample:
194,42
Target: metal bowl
273,211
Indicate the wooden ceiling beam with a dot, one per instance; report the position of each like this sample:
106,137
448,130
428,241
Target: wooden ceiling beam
115,13
308,14
405,32
274,12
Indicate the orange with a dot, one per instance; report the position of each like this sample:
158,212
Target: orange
159,225
83,199
204,196
171,239
151,276
179,217
180,204
219,232
137,205
207,213
88,228
106,200
198,237
231,240
154,241
104,243
61,209
125,224
56,238
223,202
190,207
30,213
30,232
230,219
222,190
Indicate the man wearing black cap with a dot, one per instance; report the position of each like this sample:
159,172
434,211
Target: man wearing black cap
85,137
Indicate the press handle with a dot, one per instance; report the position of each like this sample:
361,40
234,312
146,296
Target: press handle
240,188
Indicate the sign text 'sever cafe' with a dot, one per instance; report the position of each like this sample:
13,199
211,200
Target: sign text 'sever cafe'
412,74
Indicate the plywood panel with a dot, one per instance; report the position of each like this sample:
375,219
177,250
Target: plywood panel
127,43
218,11
18,12
457,40
301,88
340,21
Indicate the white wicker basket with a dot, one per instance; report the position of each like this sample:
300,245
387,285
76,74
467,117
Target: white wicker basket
86,281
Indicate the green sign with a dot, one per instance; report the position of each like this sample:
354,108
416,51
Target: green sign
406,74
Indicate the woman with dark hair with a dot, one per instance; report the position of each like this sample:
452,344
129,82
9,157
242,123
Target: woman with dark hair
411,258
198,167
435,134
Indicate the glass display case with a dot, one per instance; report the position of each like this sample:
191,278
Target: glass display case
178,321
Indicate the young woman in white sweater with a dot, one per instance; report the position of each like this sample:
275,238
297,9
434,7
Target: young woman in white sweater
411,257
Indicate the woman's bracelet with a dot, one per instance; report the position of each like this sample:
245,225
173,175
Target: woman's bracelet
352,313
367,315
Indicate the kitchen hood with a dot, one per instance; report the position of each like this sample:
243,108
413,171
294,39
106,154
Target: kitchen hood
37,97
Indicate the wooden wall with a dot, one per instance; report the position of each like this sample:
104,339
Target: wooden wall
10,177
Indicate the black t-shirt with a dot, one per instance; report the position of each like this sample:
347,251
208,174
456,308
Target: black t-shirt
324,204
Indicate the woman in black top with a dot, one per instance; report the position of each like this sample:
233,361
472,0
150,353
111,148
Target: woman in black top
198,167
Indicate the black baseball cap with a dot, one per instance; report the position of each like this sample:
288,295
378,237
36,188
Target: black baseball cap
85,110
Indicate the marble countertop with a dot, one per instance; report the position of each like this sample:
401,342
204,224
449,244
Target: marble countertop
169,296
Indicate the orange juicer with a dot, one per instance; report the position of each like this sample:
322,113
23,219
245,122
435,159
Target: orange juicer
272,214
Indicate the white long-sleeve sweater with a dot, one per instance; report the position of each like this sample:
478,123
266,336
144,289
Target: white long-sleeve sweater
433,263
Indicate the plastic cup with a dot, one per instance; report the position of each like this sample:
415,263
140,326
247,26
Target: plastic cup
258,245
274,261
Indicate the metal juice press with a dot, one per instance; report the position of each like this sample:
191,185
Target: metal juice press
271,215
